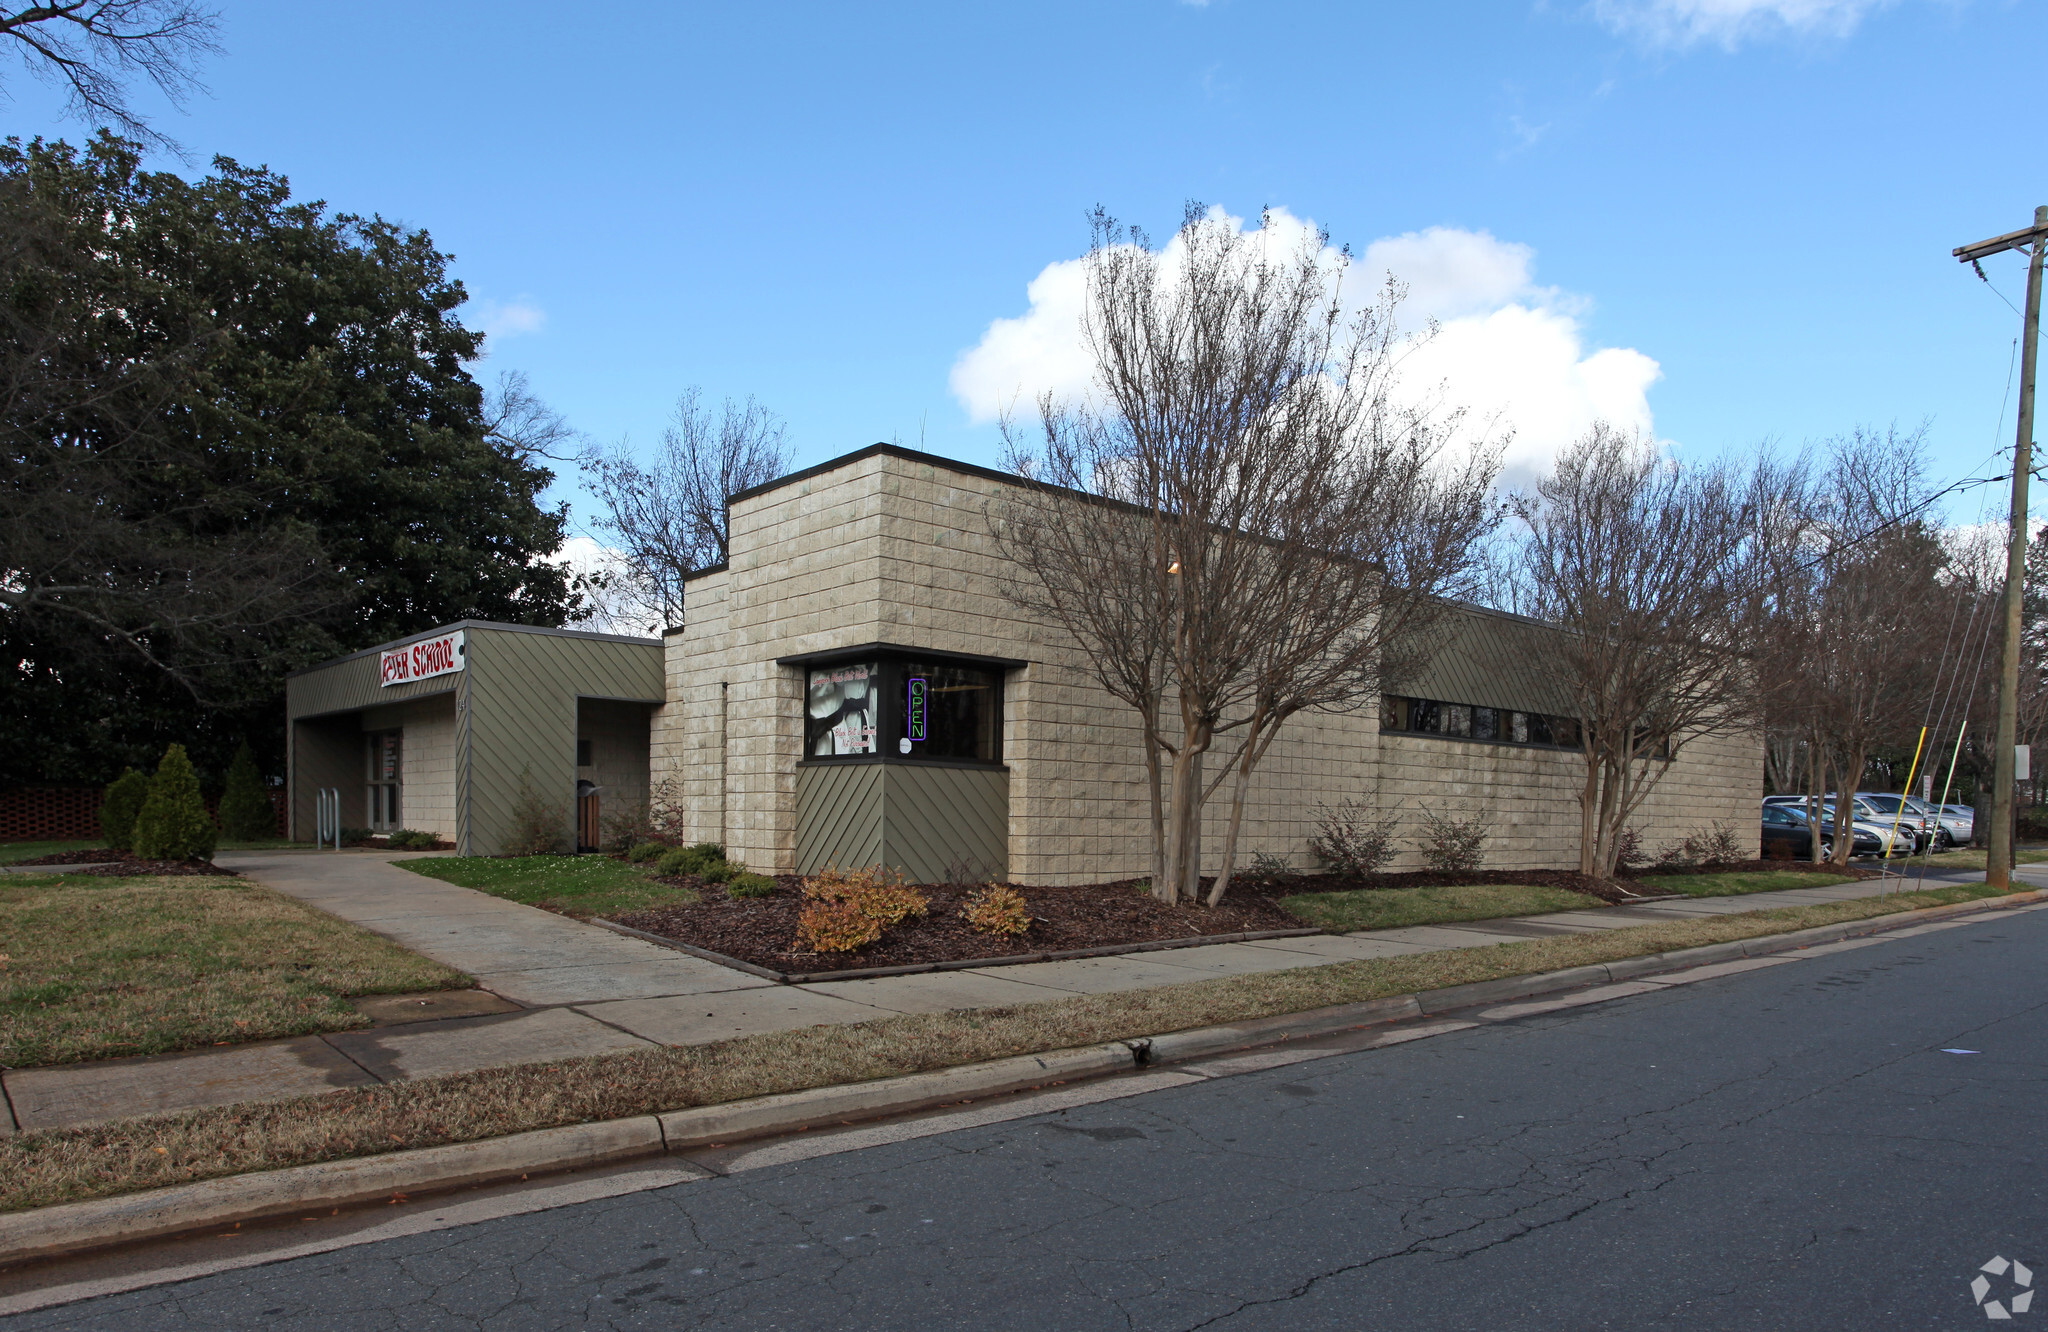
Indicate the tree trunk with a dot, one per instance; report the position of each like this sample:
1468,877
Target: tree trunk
1237,793
1589,817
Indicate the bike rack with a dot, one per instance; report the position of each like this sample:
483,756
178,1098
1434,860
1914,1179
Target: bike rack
327,816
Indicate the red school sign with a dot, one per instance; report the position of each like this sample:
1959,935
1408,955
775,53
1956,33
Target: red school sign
422,660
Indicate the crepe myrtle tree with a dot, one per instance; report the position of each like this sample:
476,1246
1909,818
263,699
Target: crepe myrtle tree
1648,568
1239,524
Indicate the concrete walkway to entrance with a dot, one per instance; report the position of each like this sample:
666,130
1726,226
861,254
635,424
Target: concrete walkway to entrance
554,988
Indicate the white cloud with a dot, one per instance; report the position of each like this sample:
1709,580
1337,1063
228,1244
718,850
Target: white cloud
1512,353
622,607
1728,23
509,319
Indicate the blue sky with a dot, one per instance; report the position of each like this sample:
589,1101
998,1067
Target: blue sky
827,206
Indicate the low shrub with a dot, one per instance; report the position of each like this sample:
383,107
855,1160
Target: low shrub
849,909
721,871
173,823
539,826
744,884
407,839
1628,854
996,909
699,859
1351,840
835,927
647,851
119,807
1707,846
1453,846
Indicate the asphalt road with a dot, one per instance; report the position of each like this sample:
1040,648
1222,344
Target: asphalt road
1786,1148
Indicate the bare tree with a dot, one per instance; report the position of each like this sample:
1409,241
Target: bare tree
1647,568
1245,522
667,519
516,418
93,50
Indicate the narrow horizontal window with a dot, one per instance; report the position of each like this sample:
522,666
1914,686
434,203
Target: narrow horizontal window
1423,716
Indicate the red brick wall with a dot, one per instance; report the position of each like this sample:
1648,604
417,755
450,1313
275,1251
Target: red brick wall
54,814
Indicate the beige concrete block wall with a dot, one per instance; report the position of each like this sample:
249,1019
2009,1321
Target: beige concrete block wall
1531,796
892,549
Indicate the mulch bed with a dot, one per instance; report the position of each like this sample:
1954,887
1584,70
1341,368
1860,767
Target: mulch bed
92,857
136,865
761,930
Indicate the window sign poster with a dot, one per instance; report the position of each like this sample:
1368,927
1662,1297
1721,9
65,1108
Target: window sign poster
915,711
843,707
387,756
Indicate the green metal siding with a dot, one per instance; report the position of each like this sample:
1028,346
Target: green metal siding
516,706
521,721
935,824
1487,659
838,816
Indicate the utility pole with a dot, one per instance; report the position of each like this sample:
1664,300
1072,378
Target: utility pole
1999,846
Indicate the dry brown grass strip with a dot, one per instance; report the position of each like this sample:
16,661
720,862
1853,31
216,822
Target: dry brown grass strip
62,1165
100,968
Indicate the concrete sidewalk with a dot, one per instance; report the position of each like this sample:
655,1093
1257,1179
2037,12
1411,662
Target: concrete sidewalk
571,989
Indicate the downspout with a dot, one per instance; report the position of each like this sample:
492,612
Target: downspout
463,842
724,708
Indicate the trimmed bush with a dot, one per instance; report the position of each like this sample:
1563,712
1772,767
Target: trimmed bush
839,901
647,851
119,807
246,814
996,909
699,859
174,824
750,885
721,871
406,839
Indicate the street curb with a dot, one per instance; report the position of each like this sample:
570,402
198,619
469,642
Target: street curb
791,1112
72,1228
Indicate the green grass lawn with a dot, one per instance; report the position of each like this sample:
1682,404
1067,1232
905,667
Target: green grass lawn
1970,858
93,968
1389,908
1728,885
13,853
580,886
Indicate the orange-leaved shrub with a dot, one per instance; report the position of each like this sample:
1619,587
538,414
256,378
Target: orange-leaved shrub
849,909
996,909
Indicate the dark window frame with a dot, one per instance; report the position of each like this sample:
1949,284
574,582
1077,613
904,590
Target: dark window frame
1476,723
892,665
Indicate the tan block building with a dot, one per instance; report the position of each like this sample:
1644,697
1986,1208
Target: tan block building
854,687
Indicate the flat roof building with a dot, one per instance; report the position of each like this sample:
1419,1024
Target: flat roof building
853,687
440,732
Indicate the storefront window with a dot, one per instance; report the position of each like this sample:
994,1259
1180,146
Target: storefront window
952,712
844,707
904,708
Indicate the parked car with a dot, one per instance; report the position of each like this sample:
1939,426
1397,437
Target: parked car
1910,812
1785,833
1878,810
1961,822
1871,825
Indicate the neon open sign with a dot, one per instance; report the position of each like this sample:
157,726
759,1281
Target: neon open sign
915,715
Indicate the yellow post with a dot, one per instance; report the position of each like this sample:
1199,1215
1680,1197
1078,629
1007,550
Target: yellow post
1911,773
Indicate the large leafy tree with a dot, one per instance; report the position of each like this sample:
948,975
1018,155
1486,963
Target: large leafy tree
239,436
